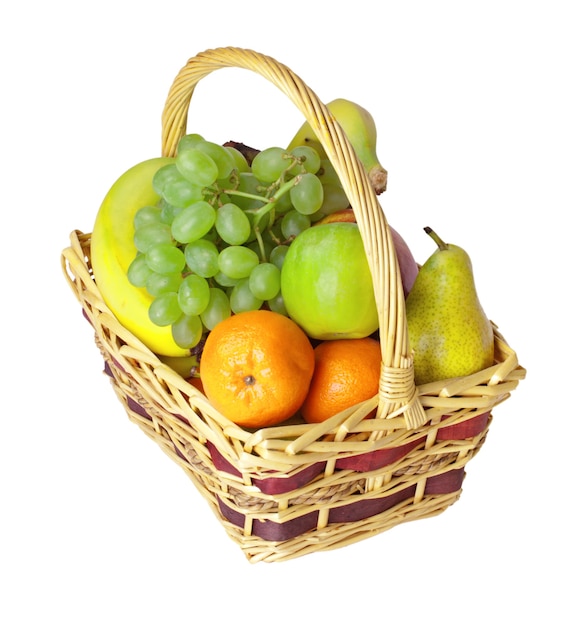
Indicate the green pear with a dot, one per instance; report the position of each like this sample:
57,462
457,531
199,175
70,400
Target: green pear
449,332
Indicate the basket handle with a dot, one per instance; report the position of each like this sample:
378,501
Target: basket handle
397,392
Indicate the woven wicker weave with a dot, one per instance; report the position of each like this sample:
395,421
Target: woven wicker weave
289,490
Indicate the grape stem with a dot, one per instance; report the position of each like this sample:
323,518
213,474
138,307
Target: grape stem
259,238
272,200
269,202
268,207
243,194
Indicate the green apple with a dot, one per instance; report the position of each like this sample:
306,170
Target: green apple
326,283
407,264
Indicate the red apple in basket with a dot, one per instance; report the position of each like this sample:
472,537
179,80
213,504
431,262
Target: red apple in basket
407,264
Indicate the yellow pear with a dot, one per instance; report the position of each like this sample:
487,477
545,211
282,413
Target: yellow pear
450,334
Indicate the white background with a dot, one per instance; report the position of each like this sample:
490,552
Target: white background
478,108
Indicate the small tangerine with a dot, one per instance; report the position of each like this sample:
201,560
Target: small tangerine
256,368
346,372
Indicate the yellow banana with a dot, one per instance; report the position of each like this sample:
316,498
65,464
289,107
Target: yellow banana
360,129
113,249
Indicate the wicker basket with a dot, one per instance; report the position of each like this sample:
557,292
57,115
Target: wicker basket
287,491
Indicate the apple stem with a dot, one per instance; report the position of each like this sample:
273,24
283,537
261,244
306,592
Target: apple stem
440,243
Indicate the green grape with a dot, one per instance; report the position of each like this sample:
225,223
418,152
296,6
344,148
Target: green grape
327,174
293,223
277,255
180,193
168,212
165,309
165,258
269,164
307,195
151,234
224,281
193,222
277,305
260,227
211,235
189,141
157,284
249,184
138,271
202,257
224,198
237,261
274,232
311,161
147,215
218,309
193,294
223,159
264,281
283,204
334,200
197,167
165,175
262,251
240,161
187,331
242,299
232,224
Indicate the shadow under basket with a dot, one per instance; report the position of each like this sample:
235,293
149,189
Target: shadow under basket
289,490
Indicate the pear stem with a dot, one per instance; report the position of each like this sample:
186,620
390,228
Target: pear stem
440,243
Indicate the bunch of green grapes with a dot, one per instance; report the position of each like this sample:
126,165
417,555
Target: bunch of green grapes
215,243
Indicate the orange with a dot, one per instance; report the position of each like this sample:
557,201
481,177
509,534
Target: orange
256,368
347,372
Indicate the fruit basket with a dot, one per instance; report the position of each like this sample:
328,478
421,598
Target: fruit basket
285,491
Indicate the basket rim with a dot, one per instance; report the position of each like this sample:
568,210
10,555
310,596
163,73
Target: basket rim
283,446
